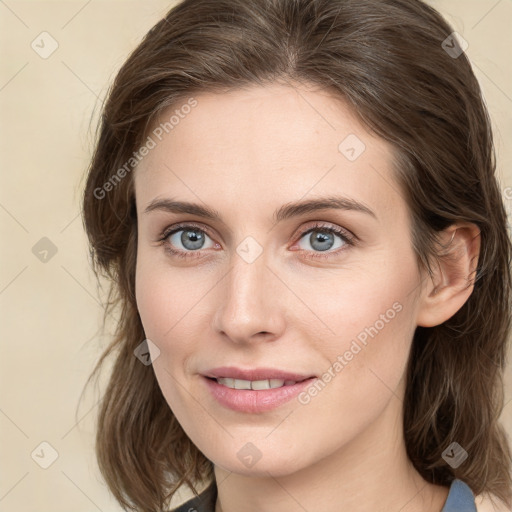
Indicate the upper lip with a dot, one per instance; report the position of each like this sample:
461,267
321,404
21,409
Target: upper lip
254,374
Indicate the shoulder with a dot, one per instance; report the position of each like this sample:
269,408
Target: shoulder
489,503
461,497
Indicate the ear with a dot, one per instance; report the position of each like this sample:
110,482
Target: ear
453,278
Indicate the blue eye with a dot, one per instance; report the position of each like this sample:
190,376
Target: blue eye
323,238
191,238
188,241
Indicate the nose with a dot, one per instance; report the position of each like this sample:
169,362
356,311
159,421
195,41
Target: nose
251,305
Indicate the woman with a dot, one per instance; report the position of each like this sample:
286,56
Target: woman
296,204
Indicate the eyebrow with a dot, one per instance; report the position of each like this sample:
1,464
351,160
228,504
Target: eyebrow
286,211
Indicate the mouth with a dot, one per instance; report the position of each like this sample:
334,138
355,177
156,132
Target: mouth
255,396
256,375
256,385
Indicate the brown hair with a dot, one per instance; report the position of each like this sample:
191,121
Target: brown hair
389,60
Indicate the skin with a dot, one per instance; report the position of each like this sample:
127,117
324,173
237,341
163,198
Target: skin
246,153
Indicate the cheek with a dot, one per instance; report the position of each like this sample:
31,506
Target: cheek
170,303
150,302
371,319
360,297
160,308
160,297
366,358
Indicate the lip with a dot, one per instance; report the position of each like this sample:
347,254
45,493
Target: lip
254,374
254,401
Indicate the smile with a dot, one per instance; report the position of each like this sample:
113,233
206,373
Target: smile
254,396
255,384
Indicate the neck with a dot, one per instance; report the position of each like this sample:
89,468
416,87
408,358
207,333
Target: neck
371,472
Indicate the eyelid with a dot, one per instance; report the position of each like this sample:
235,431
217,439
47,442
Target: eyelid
328,226
183,225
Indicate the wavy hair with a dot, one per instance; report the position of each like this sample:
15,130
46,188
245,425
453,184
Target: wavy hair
393,62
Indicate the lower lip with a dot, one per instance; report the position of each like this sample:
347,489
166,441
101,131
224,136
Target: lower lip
252,401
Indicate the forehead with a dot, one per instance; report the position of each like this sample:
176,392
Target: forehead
276,142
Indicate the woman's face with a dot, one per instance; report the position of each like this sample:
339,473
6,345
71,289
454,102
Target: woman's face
264,285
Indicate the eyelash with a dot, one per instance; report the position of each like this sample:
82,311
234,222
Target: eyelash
348,239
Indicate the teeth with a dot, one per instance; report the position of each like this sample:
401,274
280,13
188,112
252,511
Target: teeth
254,384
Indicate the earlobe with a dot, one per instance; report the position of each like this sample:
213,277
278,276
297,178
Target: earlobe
454,275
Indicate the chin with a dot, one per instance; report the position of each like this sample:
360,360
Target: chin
250,461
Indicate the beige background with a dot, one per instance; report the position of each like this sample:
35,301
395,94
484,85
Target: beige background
50,314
